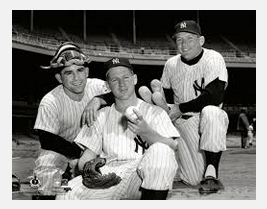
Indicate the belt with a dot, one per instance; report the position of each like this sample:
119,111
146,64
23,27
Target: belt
186,116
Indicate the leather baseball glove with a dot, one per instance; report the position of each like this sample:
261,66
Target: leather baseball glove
93,178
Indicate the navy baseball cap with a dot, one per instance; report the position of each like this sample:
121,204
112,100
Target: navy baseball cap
189,26
115,62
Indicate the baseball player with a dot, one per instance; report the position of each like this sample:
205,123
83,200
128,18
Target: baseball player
198,78
244,127
59,115
139,150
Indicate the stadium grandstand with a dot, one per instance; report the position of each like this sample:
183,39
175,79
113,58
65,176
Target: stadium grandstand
145,37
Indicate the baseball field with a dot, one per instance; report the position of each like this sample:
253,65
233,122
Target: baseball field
237,171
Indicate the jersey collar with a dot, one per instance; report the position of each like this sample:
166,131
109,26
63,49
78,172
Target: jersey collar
194,60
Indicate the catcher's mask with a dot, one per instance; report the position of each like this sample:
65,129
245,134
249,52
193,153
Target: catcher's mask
66,55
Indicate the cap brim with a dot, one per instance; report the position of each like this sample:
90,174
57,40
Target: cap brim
186,31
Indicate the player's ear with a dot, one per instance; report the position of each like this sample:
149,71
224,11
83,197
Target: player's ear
87,71
135,79
107,85
201,40
58,77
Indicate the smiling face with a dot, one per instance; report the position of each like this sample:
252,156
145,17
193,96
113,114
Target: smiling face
121,81
189,45
73,79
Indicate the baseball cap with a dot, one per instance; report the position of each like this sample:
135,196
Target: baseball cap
68,54
115,62
189,26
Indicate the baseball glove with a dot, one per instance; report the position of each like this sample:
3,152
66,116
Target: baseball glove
93,178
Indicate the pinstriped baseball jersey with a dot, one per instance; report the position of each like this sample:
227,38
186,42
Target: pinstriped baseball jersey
205,130
108,137
116,141
186,80
60,115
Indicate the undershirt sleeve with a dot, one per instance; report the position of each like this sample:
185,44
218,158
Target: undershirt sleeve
58,144
212,94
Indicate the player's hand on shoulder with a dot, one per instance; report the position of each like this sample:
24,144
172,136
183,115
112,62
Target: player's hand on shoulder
175,112
90,112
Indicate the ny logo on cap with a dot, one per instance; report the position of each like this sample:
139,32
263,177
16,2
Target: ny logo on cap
115,61
183,25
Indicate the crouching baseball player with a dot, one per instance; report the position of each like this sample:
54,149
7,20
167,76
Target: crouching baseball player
197,79
59,116
128,154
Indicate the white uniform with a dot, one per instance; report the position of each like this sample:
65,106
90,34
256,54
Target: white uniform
205,130
60,115
108,137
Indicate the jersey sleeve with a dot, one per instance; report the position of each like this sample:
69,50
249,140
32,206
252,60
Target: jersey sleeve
47,118
216,68
91,137
162,123
98,86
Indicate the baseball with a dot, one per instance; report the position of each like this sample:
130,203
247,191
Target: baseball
130,114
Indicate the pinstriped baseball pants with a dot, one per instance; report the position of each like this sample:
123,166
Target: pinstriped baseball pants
204,131
154,170
48,166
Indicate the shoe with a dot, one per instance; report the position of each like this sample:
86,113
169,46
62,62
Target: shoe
210,185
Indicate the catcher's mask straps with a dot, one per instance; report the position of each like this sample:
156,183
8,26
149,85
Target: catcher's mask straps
67,55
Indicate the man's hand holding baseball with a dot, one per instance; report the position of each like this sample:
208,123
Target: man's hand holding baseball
138,126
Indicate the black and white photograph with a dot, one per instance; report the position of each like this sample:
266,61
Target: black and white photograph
134,104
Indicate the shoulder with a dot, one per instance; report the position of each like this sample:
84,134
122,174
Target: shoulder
173,59
95,81
105,110
105,113
212,54
96,85
54,96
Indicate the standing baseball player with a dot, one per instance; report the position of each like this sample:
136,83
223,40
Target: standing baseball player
198,78
244,127
59,115
127,155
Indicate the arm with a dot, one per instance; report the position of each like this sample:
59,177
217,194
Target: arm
87,156
90,111
212,94
151,137
168,95
58,144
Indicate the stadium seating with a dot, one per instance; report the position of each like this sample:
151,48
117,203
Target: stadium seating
159,45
